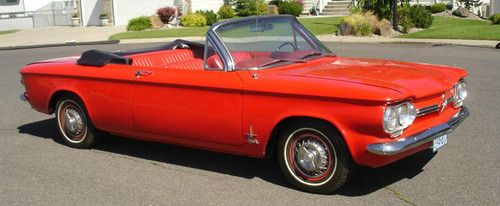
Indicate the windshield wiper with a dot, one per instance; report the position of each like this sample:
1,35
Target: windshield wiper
280,61
316,54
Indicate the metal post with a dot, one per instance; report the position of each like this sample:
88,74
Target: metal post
53,15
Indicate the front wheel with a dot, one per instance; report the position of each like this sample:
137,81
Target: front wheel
313,157
74,125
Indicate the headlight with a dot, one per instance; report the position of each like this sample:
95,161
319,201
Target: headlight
398,117
460,93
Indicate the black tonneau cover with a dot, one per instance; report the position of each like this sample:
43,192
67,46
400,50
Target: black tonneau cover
99,58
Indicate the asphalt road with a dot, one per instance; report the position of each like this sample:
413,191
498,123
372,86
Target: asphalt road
34,169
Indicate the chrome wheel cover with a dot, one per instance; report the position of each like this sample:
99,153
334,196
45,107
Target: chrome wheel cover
310,156
71,121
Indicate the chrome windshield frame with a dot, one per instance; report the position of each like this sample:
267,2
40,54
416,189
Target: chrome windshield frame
224,52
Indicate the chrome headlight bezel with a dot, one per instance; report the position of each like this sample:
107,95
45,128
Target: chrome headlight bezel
460,93
398,117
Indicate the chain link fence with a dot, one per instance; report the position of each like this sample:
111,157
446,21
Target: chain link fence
57,13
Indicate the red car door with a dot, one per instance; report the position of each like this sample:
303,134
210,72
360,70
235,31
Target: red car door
200,105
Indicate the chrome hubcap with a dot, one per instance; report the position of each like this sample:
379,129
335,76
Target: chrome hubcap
311,156
73,121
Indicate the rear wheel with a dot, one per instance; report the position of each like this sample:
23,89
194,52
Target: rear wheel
313,157
74,125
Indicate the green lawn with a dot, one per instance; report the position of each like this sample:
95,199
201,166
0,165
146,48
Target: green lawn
9,31
453,28
322,25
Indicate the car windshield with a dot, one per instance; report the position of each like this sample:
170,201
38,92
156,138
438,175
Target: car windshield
265,42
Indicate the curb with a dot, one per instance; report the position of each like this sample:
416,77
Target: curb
432,42
59,44
436,44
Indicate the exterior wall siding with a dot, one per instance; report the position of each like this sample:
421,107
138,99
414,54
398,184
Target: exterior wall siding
16,23
127,9
6,7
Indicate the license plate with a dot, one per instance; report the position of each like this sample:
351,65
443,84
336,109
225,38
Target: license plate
439,142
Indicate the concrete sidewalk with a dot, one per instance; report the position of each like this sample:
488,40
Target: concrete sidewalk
58,35
349,39
53,36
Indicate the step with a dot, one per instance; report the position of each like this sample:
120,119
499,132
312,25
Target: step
335,13
337,6
338,2
336,10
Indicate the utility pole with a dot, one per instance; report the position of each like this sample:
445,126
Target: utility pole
395,15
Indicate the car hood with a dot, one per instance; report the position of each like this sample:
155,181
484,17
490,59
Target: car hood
409,79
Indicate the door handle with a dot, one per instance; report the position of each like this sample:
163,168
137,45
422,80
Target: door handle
140,73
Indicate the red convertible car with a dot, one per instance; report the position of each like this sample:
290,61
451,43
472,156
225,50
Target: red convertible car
260,87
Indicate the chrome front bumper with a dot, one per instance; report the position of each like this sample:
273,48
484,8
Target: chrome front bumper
402,145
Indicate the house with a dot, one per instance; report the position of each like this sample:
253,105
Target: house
22,14
123,10
341,7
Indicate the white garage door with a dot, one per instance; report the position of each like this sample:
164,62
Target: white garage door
127,9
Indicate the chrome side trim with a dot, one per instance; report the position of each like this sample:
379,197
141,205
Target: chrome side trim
402,145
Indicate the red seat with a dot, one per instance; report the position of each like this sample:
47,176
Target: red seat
215,62
161,58
195,64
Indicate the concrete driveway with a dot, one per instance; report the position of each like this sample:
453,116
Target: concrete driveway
58,35
34,169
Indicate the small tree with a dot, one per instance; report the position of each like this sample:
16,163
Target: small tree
166,14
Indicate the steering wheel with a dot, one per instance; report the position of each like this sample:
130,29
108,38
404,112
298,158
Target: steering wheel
284,44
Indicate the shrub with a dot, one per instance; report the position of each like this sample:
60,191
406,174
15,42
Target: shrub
356,10
382,8
193,20
495,18
210,16
421,17
438,8
359,24
139,24
380,27
383,28
405,21
272,9
262,8
250,7
226,12
166,14
292,7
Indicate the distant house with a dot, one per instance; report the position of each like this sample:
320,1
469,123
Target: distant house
21,14
123,10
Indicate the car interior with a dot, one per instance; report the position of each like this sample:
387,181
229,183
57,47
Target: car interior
181,54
